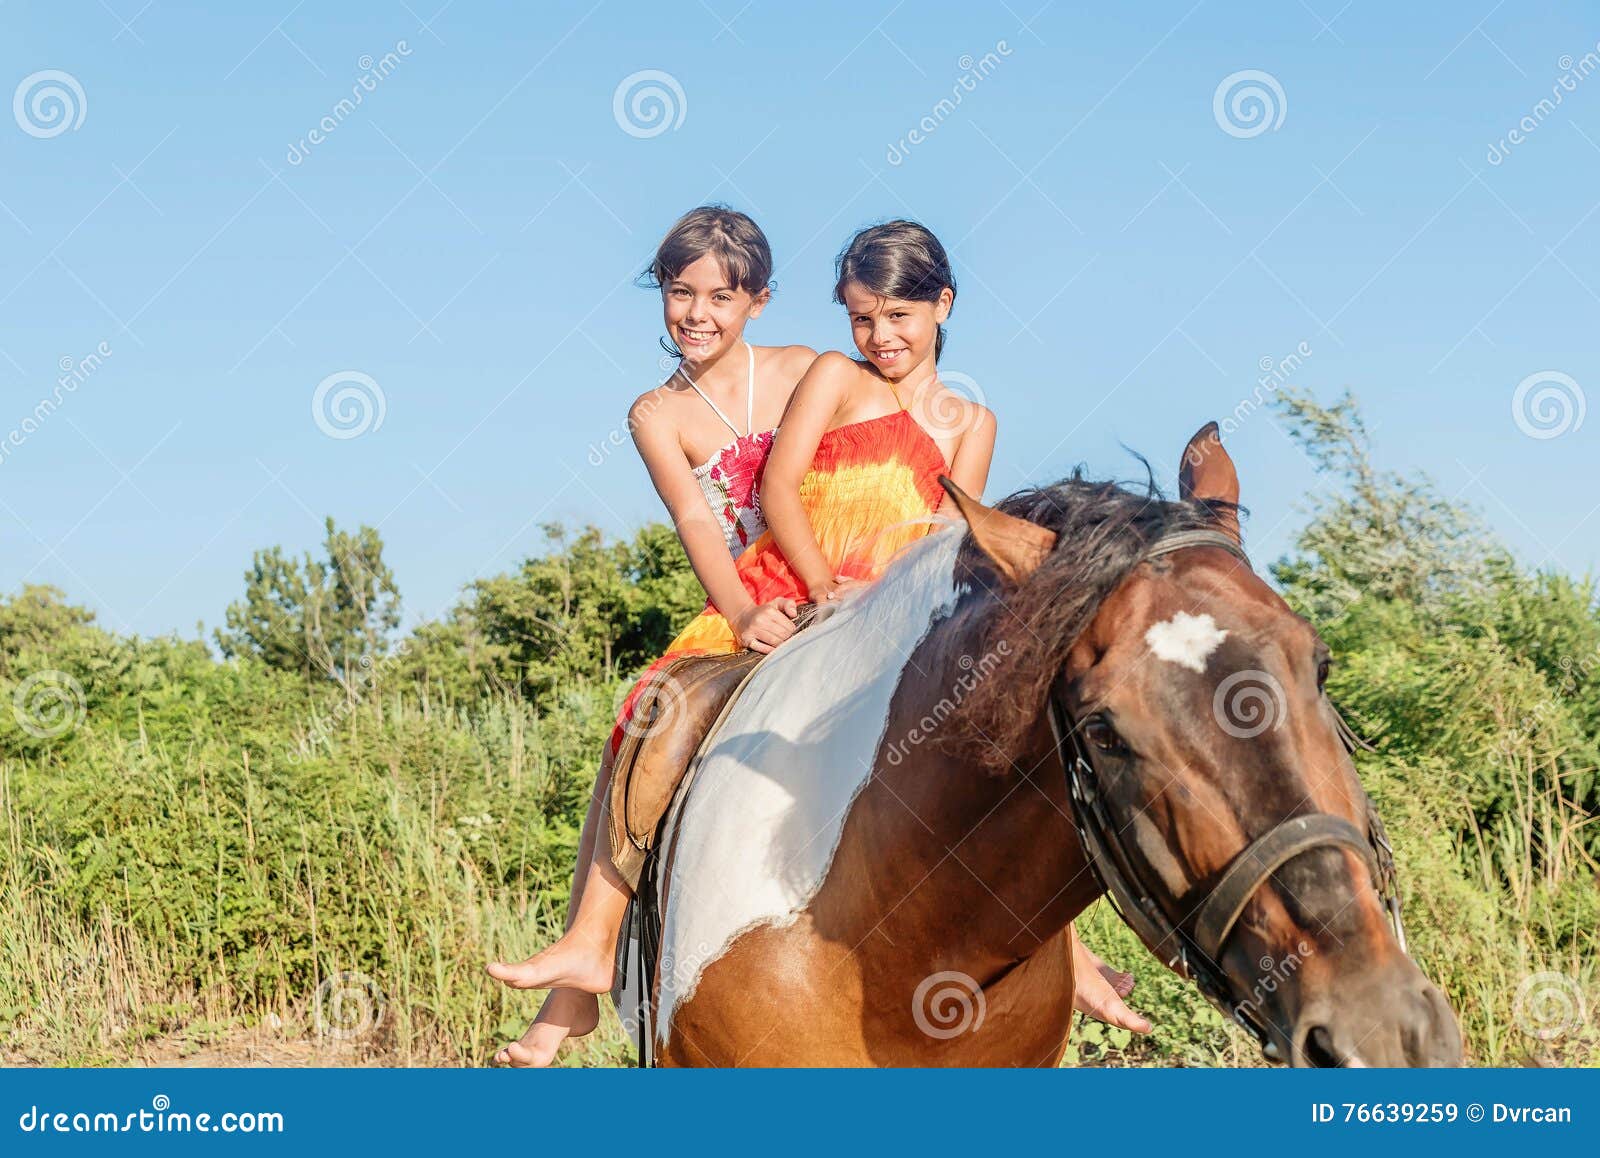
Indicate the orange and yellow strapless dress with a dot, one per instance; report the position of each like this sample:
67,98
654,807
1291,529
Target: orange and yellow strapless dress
868,493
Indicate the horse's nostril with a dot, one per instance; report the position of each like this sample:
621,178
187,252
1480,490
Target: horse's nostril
1317,1048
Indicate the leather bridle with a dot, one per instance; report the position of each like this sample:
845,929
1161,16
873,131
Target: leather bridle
1193,946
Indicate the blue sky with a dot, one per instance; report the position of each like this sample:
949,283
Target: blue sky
467,237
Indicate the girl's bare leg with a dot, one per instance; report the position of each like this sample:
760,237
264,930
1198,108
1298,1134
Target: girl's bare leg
584,957
570,1011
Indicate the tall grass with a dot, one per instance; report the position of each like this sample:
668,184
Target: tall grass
161,894
166,892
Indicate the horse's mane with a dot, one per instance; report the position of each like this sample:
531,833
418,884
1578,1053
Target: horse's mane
1102,531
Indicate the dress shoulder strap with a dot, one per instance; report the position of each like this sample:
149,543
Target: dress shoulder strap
749,390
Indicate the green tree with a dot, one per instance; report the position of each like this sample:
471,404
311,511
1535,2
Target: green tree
37,619
1475,676
587,609
329,618
1385,536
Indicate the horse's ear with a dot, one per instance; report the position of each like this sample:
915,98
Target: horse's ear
1015,545
1208,473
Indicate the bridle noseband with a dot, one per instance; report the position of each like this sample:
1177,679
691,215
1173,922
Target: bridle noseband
1193,947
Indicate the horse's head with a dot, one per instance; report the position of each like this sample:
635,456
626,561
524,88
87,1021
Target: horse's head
1215,795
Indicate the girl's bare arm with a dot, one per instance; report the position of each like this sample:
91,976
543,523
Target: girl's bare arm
758,626
970,467
686,504
811,410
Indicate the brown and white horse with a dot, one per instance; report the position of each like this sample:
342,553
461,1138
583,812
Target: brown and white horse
876,864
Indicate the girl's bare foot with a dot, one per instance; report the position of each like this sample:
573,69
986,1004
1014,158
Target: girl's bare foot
565,1013
571,963
1101,989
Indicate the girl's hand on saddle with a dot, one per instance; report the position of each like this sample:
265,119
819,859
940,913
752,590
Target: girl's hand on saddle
763,626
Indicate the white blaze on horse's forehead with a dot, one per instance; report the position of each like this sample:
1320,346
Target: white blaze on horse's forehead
765,811
1186,640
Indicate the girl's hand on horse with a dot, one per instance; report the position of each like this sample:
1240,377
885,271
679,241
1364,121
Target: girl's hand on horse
822,591
763,626
844,583
830,589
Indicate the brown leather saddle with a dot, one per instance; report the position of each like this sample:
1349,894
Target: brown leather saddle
671,718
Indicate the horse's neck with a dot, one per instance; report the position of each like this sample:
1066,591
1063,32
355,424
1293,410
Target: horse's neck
986,868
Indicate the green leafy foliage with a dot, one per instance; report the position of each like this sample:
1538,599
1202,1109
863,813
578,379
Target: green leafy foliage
587,608
327,618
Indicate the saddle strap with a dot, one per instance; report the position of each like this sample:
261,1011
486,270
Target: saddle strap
1266,855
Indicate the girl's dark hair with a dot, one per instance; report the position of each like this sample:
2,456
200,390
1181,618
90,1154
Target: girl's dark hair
898,259
730,236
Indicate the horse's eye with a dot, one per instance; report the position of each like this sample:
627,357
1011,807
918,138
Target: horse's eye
1103,736
1322,673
